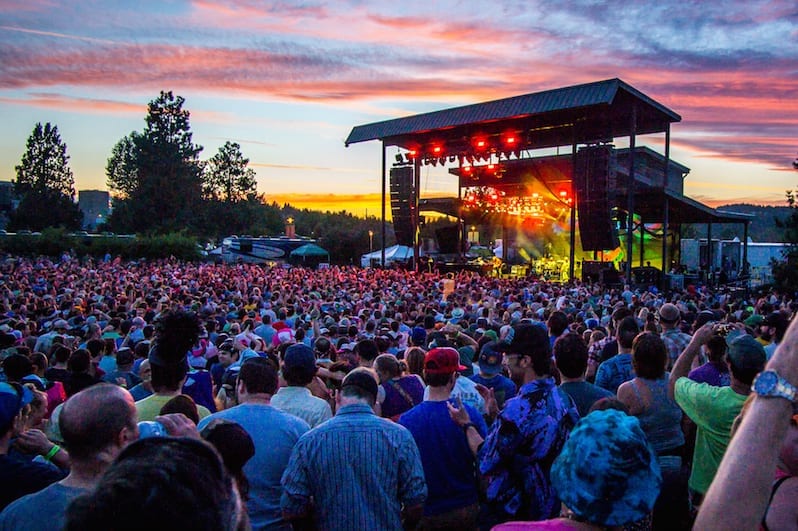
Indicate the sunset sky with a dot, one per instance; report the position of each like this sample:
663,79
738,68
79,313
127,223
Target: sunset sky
288,80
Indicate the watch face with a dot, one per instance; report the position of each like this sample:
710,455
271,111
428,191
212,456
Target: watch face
766,382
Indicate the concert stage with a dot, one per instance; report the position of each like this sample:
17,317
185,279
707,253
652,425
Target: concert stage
544,169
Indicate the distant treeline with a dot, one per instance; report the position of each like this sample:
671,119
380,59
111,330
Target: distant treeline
763,227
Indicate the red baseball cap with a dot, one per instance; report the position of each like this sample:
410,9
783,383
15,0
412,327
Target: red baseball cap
442,360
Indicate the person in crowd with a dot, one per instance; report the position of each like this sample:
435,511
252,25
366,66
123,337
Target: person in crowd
777,324
96,424
299,370
183,405
227,355
57,372
274,434
449,461
570,357
415,361
646,396
161,483
675,340
143,389
750,462
531,429
604,349
123,375
381,483
397,394
466,389
607,476
236,448
491,363
21,476
618,369
712,408
176,333
715,371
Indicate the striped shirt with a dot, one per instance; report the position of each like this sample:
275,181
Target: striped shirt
358,468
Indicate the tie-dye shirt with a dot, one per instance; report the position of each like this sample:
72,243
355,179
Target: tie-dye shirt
521,447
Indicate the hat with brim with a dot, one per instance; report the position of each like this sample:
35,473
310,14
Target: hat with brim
490,358
607,473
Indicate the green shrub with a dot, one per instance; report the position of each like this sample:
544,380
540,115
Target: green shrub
53,243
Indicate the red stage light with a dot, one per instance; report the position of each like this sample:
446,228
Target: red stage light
467,169
412,153
437,149
563,193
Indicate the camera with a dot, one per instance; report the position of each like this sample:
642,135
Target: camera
724,329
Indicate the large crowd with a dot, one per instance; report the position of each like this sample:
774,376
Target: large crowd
165,394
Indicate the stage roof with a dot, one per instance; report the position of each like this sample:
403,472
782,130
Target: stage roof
592,112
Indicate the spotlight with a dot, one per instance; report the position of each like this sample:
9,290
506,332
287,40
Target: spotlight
399,158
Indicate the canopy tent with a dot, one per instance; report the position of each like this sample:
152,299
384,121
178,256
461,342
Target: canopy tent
309,253
392,254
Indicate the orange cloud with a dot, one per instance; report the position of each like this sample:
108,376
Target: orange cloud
357,204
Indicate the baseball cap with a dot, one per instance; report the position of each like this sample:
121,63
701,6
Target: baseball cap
13,397
60,324
490,358
607,473
746,353
754,320
669,313
443,360
300,356
362,379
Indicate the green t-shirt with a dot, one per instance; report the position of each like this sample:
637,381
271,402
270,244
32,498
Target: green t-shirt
713,409
150,407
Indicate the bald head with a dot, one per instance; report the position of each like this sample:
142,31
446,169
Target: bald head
93,419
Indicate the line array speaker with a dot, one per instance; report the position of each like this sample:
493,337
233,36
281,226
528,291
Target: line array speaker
402,204
595,182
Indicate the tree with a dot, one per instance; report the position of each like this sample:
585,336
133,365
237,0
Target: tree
156,175
45,183
227,177
785,272
122,168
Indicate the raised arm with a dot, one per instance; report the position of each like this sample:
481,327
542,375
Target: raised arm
746,472
685,360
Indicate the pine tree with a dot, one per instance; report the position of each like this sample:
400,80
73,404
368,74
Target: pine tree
227,177
157,175
45,183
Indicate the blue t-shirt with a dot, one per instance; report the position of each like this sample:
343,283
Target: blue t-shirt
449,465
615,371
274,433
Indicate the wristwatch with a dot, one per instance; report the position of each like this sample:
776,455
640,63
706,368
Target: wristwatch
770,384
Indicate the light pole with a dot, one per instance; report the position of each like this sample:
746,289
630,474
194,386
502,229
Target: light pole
371,241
